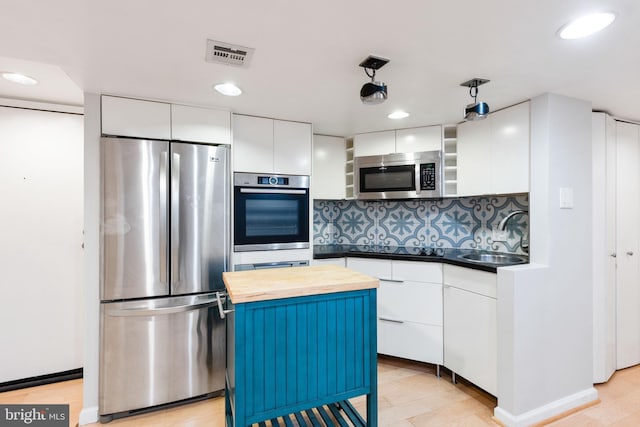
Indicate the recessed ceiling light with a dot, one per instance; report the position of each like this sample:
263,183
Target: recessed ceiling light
228,89
19,78
586,25
398,115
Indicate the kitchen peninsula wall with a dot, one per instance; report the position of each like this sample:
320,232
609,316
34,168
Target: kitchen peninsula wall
465,222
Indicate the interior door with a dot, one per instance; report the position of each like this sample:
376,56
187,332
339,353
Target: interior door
134,219
199,217
627,214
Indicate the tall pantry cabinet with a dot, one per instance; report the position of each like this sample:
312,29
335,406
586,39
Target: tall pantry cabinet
616,241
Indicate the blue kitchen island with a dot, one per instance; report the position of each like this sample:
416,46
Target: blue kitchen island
301,341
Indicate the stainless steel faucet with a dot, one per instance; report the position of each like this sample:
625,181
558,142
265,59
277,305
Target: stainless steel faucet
503,223
524,244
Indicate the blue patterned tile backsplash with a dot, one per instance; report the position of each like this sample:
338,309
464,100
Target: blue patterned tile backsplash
465,222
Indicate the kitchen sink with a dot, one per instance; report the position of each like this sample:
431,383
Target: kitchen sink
498,259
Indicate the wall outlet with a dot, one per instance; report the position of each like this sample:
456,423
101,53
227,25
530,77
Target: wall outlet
499,235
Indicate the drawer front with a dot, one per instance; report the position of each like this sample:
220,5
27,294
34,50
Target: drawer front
417,271
410,341
410,301
329,261
378,268
479,282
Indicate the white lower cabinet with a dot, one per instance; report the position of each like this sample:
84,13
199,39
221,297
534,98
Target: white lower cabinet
409,307
470,325
410,340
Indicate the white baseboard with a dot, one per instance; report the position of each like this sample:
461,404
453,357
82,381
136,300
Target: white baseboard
88,415
547,411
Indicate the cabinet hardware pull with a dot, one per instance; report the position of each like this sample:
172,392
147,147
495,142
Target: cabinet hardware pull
384,319
629,252
613,255
390,280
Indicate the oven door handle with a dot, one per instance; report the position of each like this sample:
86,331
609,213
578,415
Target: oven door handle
271,191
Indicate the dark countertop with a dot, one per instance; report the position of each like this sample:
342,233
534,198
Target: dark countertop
402,253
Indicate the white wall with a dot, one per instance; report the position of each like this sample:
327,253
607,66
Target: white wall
89,413
41,242
545,352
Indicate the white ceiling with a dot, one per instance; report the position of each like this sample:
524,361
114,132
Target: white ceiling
305,65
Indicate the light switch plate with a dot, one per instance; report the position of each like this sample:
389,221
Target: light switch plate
498,235
566,198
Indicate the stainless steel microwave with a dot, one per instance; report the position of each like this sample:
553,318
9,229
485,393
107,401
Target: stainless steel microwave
399,176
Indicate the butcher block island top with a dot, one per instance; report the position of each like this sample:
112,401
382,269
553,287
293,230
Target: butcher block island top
276,283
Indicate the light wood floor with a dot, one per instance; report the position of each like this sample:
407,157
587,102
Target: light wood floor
410,395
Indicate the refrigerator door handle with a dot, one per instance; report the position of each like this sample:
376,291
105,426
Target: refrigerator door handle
223,313
164,164
159,311
175,218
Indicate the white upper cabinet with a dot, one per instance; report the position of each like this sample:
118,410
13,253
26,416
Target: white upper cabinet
474,158
510,150
158,120
426,138
493,154
328,180
374,143
252,144
292,147
137,118
198,124
271,146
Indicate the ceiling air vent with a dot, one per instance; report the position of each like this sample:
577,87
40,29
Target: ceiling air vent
229,54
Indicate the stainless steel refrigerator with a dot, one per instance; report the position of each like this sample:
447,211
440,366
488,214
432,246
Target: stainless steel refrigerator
165,244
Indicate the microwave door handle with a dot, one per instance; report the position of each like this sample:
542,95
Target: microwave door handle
270,191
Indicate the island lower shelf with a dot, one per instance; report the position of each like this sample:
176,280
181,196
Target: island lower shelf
302,358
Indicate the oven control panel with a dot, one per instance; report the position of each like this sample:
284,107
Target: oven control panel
277,181
273,180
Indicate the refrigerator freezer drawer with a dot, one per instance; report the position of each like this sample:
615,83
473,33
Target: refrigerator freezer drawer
159,351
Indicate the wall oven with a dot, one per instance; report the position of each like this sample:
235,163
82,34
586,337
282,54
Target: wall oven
398,176
270,212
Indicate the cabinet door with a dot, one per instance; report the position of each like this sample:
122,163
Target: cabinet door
470,337
137,118
510,150
374,144
197,124
291,147
328,180
474,158
428,138
628,212
253,144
